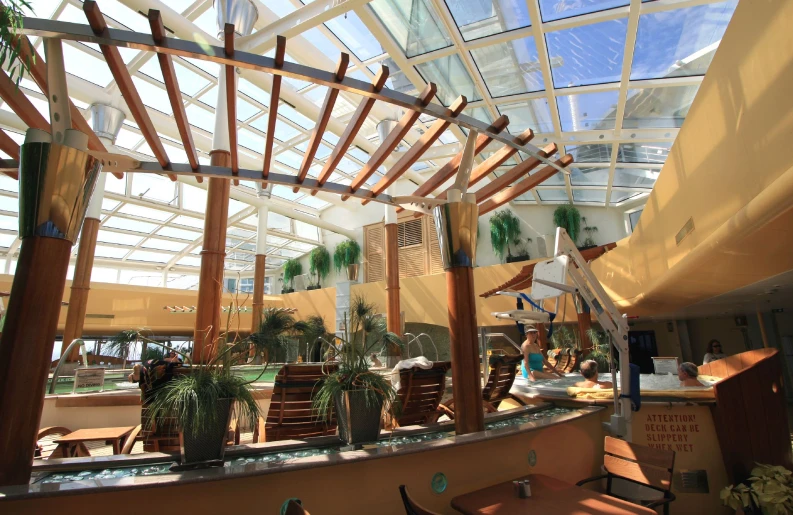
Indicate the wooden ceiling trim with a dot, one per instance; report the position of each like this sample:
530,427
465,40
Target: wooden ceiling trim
10,147
275,96
498,158
231,100
523,186
514,173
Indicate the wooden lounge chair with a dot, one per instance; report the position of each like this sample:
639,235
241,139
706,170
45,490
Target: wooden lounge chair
292,414
420,393
411,506
638,464
573,362
503,370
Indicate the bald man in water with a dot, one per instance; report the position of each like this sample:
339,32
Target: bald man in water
589,369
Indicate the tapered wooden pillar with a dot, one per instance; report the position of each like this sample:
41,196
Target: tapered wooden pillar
393,309
466,384
81,285
584,324
210,280
543,338
258,292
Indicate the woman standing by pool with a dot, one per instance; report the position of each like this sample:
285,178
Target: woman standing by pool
533,359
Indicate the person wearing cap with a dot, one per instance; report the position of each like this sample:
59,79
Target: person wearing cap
533,360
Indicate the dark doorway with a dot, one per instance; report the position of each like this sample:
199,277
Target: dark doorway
642,350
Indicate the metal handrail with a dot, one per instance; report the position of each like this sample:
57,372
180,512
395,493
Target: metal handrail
417,340
67,352
510,340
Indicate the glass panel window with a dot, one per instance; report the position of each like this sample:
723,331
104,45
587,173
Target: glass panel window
109,252
680,42
589,176
658,107
251,140
587,111
284,193
510,68
589,196
634,218
140,278
173,232
413,24
558,9
153,96
118,238
154,257
487,17
115,222
116,185
635,177
451,77
643,152
153,187
8,184
618,196
289,158
85,66
188,221
553,195
145,212
156,243
189,261
200,117
353,33
589,54
533,114
590,153
481,114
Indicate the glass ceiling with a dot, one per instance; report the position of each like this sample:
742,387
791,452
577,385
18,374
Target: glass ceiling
610,82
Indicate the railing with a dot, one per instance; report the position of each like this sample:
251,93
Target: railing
417,340
63,358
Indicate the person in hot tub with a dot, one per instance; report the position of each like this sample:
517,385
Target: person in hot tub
687,373
533,359
589,369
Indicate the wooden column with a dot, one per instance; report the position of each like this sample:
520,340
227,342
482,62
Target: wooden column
543,338
210,281
393,309
26,350
81,285
258,292
763,334
466,384
584,324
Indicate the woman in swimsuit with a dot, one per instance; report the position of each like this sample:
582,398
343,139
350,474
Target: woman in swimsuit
533,359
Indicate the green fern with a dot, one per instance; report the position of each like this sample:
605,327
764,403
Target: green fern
292,269
568,218
11,14
319,263
504,229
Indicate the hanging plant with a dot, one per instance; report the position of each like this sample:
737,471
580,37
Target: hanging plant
568,218
11,13
292,269
589,230
504,229
347,253
318,265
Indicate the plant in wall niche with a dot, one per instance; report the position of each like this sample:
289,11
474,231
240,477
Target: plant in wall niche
318,265
505,230
600,348
568,218
346,256
769,490
589,230
11,13
358,394
292,269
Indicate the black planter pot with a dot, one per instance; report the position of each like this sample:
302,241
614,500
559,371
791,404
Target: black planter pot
313,287
288,290
206,448
515,259
358,422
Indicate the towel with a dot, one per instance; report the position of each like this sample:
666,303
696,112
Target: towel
405,364
608,393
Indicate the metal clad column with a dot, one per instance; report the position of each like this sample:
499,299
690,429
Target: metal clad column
106,122
242,14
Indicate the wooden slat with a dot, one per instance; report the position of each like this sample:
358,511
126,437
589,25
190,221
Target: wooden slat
174,93
231,100
21,105
497,159
10,147
523,186
513,174
124,81
417,150
645,474
392,140
322,123
275,95
450,168
353,126
662,458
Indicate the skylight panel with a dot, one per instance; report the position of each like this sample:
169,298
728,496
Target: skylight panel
183,234
488,17
10,223
153,187
140,277
115,185
188,221
307,231
552,195
200,117
194,199
510,68
618,196
588,54
289,158
588,111
322,43
314,202
152,68
127,139
115,222
255,92
658,107
235,206
285,193
283,131
208,22
278,222
85,66
451,77
208,66
245,109
593,153
153,96
353,33
118,238
8,184
275,240
149,257
125,16
414,25
589,195
250,140
680,42
589,176
558,9
10,204
643,152
635,177
158,244
145,212
189,261
290,113
532,114
109,252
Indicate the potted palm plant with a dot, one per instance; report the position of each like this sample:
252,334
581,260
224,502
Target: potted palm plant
358,394
313,331
505,230
123,344
346,256
568,218
292,269
318,266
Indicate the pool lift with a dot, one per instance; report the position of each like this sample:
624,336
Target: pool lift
550,281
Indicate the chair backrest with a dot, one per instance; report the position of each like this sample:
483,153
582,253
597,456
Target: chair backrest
420,392
575,358
161,435
411,506
503,370
639,463
294,508
563,360
292,414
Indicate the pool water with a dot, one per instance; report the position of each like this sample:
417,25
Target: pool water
282,457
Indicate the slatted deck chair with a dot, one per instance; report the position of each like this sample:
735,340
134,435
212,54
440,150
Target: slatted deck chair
503,370
554,355
411,506
292,414
638,464
575,360
160,435
420,393
563,361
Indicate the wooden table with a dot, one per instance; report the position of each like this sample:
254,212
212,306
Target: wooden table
548,495
70,444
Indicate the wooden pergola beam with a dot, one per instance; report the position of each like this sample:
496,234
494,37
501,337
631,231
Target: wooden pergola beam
498,158
514,173
392,140
354,125
174,93
231,99
21,105
523,186
322,122
275,94
451,167
124,81
417,150
10,147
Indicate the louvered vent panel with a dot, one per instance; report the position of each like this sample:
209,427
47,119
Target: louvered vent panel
436,263
410,233
375,258
412,261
